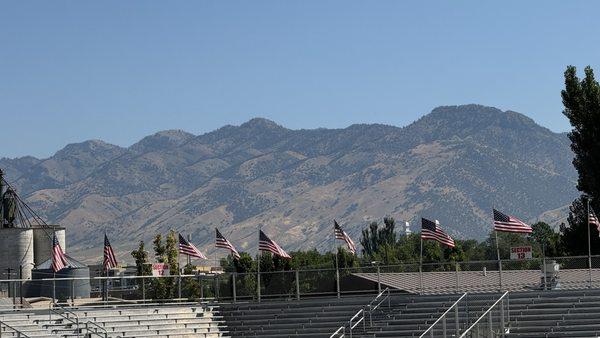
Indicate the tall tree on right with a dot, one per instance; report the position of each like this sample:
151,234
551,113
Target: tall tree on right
581,98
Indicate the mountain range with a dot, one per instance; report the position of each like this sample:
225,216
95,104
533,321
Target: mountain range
453,164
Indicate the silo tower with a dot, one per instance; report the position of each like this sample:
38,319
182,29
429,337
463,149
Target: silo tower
22,231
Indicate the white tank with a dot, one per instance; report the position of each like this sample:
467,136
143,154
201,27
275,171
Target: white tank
16,250
42,242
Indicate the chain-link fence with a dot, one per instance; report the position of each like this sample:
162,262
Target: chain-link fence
428,278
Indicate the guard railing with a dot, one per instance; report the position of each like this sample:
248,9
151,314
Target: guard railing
494,322
442,320
14,332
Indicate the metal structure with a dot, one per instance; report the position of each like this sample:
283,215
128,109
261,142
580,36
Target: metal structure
494,322
443,319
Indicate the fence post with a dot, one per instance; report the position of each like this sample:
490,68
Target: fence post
179,288
297,285
491,329
420,279
72,292
502,317
233,286
500,272
378,280
337,283
545,275
217,287
456,276
143,289
457,324
444,326
201,282
258,284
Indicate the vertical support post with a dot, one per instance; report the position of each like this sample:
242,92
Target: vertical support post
297,285
105,296
179,288
72,292
234,286
143,289
337,269
378,279
502,324
21,283
589,243
544,268
258,267
499,260
456,322
456,276
491,329
217,286
443,326
421,268
201,282
53,287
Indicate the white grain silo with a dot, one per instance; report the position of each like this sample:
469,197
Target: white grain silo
42,242
16,251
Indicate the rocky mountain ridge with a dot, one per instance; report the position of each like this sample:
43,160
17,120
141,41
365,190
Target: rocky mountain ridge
453,164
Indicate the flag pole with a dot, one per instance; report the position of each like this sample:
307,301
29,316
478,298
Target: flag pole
589,242
337,270
189,258
258,266
499,260
421,265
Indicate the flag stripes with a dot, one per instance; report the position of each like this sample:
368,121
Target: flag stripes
593,219
431,230
110,261
59,259
508,223
266,244
222,242
187,248
341,234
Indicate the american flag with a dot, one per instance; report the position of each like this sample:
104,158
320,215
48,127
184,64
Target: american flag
507,223
59,259
266,244
431,230
592,219
187,248
110,261
341,234
222,242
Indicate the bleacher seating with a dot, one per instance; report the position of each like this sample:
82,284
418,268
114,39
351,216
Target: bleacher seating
559,313
174,320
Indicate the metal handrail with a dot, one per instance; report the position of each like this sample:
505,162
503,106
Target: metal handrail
19,333
337,332
361,314
104,333
62,314
484,314
372,308
96,327
443,315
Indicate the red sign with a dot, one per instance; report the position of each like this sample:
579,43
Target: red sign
160,269
521,252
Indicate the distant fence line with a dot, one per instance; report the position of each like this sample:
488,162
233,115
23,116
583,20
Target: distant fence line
444,277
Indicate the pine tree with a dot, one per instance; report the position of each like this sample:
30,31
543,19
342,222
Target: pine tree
581,99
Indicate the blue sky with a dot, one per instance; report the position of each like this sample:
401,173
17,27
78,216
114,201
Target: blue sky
120,70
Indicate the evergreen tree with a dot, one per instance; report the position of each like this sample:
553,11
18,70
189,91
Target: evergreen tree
581,99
